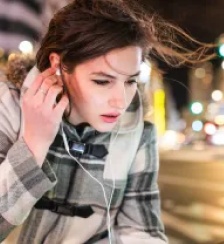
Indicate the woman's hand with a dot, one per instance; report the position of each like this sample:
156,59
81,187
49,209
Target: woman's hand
42,116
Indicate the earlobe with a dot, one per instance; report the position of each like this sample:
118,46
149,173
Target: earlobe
54,59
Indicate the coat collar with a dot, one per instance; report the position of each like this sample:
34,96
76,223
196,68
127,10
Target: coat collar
128,122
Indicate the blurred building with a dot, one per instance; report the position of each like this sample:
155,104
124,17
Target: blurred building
173,121
25,21
19,21
219,79
162,108
200,82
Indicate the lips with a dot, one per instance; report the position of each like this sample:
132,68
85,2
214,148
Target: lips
110,118
111,114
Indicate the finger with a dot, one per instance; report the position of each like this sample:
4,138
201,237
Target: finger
61,107
50,99
35,86
48,82
44,88
31,91
48,72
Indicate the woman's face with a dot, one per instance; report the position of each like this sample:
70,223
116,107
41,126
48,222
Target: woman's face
102,88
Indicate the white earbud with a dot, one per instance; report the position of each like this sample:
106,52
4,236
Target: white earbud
58,72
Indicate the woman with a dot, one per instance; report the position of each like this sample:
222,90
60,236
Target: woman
78,163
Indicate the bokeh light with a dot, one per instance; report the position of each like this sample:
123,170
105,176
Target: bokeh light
217,95
26,47
197,125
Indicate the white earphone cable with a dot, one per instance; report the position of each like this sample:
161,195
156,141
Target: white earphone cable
104,193
108,204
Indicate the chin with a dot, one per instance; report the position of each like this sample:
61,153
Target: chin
104,127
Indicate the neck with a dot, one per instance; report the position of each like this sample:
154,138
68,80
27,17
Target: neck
74,117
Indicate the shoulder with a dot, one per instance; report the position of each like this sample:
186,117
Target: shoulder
146,159
149,134
10,111
9,94
7,88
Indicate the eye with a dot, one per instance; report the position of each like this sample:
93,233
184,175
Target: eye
133,81
101,82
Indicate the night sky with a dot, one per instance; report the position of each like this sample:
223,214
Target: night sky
202,19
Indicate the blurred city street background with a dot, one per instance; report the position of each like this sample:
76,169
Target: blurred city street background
186,104
192,191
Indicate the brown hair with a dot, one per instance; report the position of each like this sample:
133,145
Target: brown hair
85,29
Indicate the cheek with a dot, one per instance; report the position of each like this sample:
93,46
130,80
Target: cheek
84,93
77,91
88,99
98,100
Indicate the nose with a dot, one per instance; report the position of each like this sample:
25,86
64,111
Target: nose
118,98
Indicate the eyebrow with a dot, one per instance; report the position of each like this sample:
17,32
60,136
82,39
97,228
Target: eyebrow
111,76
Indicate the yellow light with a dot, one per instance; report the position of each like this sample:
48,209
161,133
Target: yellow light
26,47
159,110
219,119
210,129
160,97
217,95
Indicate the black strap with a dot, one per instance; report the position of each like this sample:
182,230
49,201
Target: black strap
97,237
77,148
97,150
64,208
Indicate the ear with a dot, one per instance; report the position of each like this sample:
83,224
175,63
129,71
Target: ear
54,60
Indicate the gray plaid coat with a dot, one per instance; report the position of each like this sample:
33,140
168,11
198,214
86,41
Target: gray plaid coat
135,206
